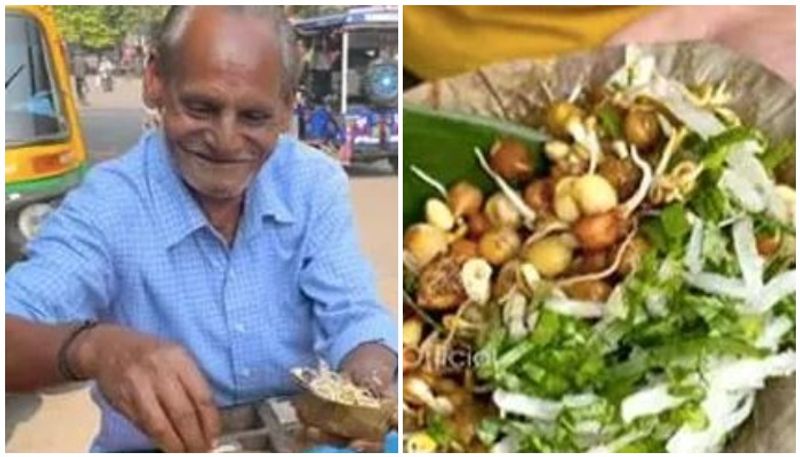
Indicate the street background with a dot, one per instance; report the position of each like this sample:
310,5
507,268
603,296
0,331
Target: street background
66,420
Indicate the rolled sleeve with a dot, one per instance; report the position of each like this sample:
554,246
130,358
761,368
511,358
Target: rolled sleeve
340,282
68,274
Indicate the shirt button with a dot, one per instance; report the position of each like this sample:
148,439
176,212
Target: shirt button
239,327
245,372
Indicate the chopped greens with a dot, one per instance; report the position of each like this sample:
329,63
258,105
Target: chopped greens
651,272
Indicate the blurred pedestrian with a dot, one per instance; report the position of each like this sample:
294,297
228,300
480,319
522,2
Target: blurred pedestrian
80,71
106,72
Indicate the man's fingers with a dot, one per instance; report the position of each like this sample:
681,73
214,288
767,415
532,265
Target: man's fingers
319,436
152,419
183,414
203,400
366,446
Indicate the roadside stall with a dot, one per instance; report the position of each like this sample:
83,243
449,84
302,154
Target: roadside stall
348,105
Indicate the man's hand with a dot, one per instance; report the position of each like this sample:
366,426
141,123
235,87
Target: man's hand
370,365
154,383
766,34
373,366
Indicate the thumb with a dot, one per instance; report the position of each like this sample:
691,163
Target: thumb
667,24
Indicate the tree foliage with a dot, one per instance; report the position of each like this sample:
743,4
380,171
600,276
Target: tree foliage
100,27
306,11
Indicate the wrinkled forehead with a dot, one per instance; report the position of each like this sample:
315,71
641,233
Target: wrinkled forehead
213,41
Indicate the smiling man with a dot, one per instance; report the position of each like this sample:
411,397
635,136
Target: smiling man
195,271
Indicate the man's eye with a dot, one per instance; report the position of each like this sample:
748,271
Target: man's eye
256,117
199,109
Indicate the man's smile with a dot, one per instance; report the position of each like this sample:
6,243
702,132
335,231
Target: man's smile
218,160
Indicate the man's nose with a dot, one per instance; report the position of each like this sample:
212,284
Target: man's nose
229,141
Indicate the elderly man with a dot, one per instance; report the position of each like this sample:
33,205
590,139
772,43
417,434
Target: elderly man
206,262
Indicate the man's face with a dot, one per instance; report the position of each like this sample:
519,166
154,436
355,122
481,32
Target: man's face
223,106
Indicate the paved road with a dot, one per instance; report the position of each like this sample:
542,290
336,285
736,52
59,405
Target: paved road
66,420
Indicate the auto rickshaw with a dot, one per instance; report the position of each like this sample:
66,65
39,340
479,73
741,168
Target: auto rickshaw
350,97
45,150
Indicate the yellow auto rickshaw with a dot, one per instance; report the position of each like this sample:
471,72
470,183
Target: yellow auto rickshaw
45,151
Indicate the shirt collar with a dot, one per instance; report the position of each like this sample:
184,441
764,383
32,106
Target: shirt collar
177,212
267,193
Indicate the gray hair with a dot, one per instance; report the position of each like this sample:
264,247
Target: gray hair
177,17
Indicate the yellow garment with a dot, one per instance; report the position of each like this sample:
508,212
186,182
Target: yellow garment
441,41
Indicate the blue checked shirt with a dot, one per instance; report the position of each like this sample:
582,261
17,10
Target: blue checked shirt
131,246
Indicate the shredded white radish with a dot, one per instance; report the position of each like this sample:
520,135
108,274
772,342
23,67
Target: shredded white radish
729,400
717,284
746,194
744,243
778,287
648,401
694,249
742,159
748,182
726,410
774,330
526,405
579,400
670,94
750,373
507,445
577,308
638,70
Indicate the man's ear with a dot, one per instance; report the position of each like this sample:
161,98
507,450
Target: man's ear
153,84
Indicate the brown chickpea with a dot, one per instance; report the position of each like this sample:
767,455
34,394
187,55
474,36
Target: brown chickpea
591,290
440,286
551,255
623,175
767,243
599,231
464,199
499,245
592,262
411,358
641,127
539,195
478,224
511,160
464,248
559,114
